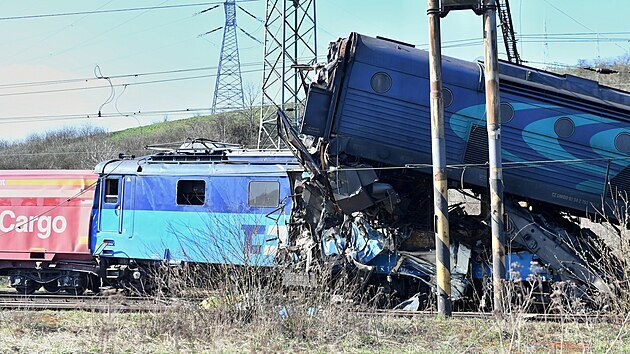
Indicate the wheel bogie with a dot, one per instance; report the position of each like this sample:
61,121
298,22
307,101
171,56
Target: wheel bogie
28,281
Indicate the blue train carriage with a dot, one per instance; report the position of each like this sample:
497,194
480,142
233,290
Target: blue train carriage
565,140
203,203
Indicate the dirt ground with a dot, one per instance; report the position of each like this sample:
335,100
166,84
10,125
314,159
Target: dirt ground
194,330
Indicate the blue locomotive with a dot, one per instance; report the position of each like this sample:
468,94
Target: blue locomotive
566,149
200,203
566,140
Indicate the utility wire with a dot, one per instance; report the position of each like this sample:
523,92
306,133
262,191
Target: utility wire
120,76
576,21
20,119
507,165
117,85
24,17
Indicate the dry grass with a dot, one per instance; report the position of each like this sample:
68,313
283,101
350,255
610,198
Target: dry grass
193,330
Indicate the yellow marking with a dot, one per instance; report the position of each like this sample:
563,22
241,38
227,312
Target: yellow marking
443,278
37,249
83,240
49,182
444,237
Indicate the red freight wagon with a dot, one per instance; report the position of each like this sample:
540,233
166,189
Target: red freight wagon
45,227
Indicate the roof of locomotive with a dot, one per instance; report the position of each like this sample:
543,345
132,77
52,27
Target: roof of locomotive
408,59
218,162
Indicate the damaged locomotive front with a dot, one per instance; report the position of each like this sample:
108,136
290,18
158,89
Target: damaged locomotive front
364,206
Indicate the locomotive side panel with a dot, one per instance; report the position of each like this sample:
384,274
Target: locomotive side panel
560,147
233,218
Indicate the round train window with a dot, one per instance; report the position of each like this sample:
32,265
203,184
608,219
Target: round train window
507,112
564,127
381,82
622,143
447,97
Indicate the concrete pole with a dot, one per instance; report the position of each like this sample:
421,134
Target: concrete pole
491,64
438,149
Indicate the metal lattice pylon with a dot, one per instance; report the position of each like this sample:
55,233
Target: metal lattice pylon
290,38
228,90
507,28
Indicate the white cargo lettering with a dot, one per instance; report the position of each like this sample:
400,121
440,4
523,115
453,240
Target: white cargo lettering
11,226
21,223
44,225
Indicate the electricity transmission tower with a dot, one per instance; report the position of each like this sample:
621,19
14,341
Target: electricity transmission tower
507,28
290,38
228,90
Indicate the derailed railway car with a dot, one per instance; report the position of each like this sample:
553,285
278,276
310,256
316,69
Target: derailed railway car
372,102
367,146
44,229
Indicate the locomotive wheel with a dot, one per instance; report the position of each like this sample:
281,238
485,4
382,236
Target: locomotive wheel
28,289
51,287
94,284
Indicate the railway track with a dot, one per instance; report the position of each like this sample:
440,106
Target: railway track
540,317
120,303
85,302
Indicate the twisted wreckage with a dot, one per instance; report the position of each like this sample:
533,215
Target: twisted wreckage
365,202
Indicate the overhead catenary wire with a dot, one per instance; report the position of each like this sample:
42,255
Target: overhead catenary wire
117,85
50,34
508,164
576,21
119,76
23,119
94,12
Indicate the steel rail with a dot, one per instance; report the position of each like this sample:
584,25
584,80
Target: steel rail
117,303
538,317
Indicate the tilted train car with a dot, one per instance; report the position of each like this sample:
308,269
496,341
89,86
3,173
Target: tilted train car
565,139
367,142
201,203
44,229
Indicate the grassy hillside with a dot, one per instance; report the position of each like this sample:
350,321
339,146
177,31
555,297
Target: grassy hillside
84,147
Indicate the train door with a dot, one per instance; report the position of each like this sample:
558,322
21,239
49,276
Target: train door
116,205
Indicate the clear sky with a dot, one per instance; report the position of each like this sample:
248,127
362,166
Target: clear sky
69,47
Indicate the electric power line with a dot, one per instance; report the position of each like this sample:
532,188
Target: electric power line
24,17
121,76
116,85
39,118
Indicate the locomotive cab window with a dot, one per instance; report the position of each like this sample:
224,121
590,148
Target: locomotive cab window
111,190
191,192
264,194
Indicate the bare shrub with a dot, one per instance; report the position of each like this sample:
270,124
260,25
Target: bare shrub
67,148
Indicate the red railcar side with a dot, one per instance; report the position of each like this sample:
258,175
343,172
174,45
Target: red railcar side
45,226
